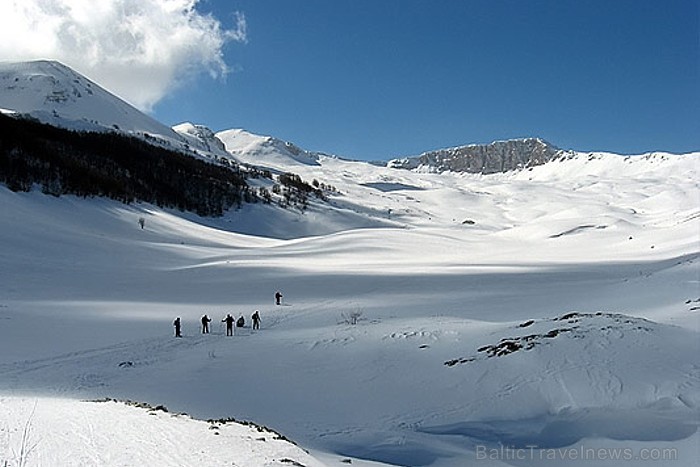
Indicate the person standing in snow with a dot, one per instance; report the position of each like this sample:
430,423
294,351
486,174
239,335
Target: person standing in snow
205,324
176,323
278,298
256,319
229,324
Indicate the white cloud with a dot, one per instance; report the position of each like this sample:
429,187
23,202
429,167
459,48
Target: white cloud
137,49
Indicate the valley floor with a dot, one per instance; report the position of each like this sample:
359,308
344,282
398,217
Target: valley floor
515,343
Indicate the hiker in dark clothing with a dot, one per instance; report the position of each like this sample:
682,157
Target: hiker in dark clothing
205,324
256,319
278,298
229,324
241,322
176,323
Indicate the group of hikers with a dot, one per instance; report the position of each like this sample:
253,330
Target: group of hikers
229,320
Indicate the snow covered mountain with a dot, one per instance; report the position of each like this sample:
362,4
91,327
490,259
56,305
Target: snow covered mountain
431,317
202,138
499,156
53,93
265,150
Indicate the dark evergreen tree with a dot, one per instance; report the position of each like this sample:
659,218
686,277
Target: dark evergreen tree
114,165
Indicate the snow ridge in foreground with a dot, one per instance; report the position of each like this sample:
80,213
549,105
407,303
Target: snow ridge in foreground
60,432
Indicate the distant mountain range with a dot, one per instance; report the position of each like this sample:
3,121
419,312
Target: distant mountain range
53,93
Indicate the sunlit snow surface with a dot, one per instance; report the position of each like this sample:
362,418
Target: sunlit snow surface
539,317
555,308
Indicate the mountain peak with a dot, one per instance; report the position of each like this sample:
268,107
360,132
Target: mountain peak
256,149
56,94
201,137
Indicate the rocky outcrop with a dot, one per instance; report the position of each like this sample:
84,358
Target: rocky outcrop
500,156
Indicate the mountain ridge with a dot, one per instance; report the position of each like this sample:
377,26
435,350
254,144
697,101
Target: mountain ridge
255,149
498,156
55,94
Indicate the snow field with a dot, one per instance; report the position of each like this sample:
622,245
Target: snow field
463,342
36,431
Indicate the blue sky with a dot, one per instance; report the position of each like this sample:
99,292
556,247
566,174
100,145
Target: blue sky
374,79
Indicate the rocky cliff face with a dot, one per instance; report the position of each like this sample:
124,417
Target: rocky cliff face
500,156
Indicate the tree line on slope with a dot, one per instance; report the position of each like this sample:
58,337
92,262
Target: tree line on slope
127,169
112,165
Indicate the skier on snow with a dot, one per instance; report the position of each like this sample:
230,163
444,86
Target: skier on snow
241,322
176,323
278,298
229,324
256,319
205,324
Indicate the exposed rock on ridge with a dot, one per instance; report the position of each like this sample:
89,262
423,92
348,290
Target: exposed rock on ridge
499,156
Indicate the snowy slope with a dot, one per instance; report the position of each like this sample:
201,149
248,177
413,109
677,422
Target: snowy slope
202,139
265,151
56,432
55,94
463,342
551,311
